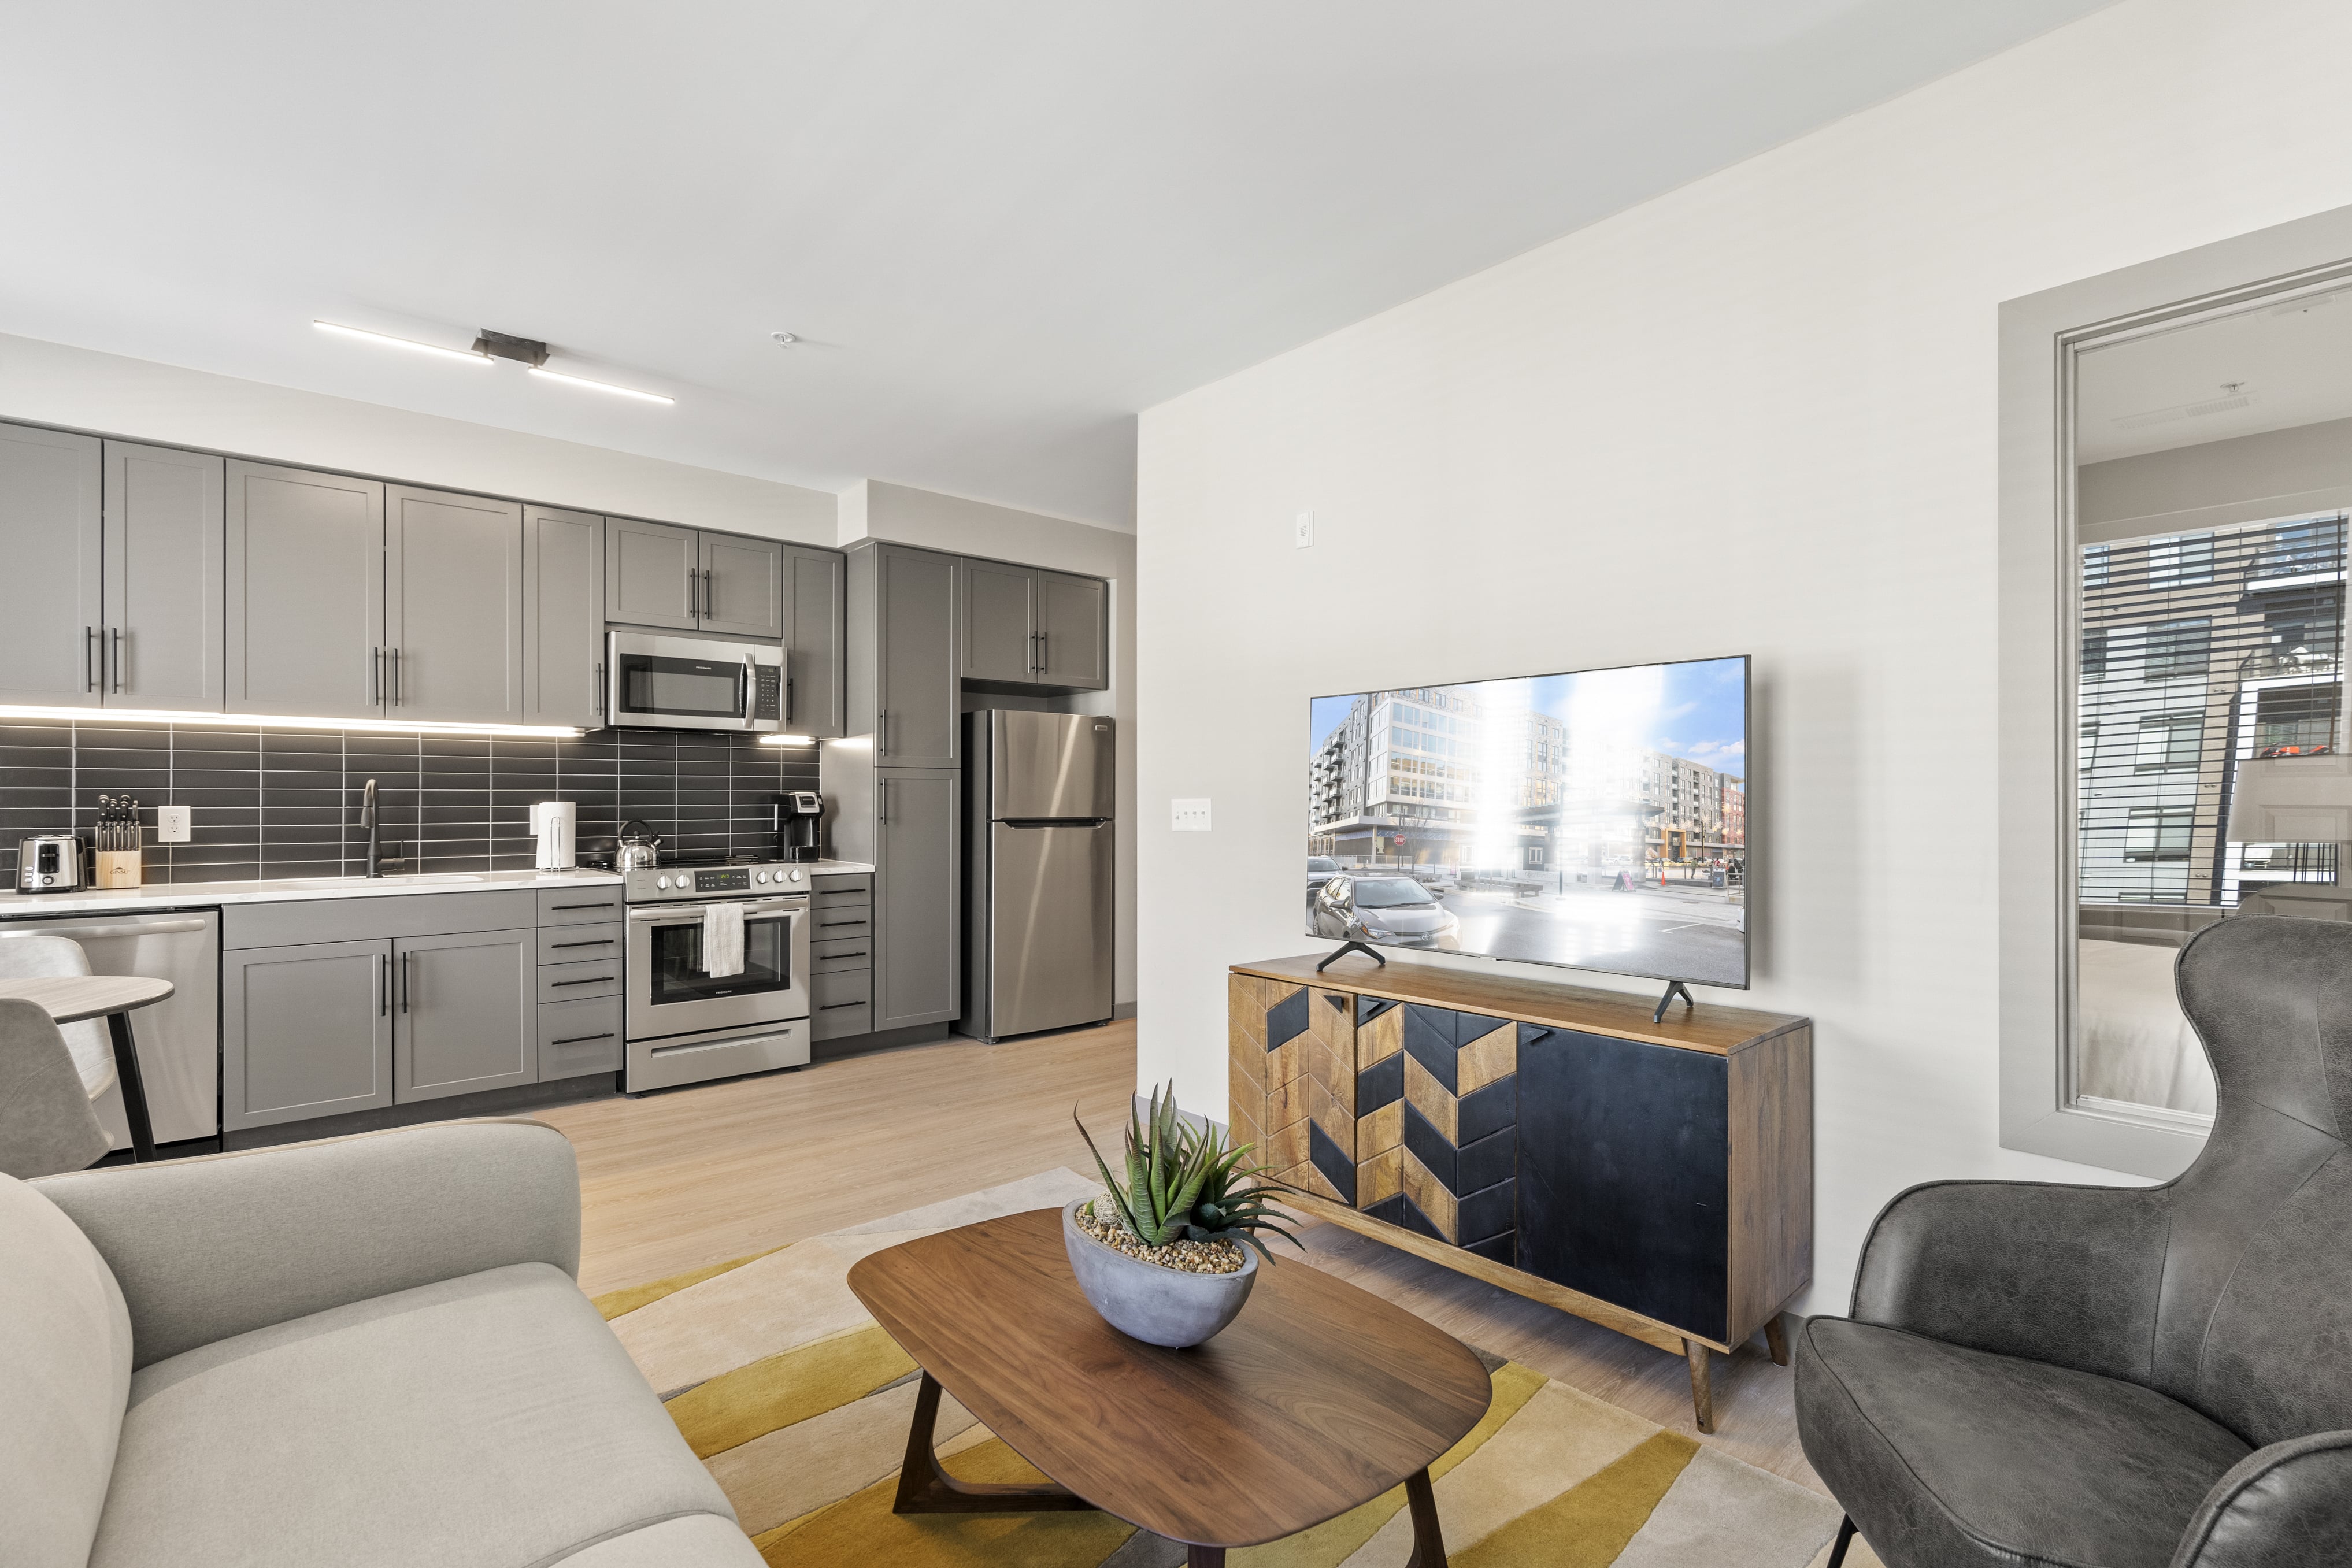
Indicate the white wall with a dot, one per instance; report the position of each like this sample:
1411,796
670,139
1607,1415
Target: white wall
2215,484
1754,415
872,508
51,383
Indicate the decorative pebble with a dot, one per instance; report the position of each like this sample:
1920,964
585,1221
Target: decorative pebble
1190,1257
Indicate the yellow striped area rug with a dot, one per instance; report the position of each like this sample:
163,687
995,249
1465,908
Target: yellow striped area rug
800,1403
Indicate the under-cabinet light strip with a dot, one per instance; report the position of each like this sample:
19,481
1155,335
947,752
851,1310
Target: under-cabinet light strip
788,740
282,721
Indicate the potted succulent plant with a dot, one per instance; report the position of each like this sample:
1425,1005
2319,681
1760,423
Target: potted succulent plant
1166,1257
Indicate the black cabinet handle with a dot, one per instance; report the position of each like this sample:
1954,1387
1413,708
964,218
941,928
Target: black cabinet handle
595,980
607,905
859,953
1338,999
1539,1032
830,924
597,942
576,1039
404,982
836,1006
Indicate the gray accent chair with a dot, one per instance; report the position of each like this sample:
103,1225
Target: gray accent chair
364,1351
2122,1378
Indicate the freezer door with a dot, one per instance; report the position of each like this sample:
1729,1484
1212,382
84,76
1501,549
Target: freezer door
1050,919
1048,765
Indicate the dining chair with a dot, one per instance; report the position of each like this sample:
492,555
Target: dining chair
47,1123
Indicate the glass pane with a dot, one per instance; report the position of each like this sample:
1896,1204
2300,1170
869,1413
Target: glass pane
678,974
681,686
2208,681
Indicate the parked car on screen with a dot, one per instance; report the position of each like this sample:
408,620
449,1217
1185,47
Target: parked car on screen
1320,869
1392,909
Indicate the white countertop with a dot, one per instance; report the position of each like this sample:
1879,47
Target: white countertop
187,894
203,895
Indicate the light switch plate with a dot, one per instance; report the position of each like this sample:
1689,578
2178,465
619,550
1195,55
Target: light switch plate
171,824
1190,816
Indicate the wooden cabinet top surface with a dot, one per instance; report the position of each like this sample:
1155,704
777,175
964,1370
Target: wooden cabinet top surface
1707,1027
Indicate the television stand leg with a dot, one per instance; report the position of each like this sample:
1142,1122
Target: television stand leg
1344,948
1664,1002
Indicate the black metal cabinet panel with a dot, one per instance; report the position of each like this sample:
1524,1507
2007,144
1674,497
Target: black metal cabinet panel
1623,1185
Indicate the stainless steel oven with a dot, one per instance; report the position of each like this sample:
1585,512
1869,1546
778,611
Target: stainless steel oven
659,682
685,1025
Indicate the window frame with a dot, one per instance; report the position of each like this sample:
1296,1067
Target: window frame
2042,339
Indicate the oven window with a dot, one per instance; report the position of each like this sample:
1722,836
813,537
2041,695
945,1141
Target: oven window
678,974
689,688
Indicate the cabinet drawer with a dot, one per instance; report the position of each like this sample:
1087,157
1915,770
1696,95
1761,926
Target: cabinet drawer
374,917
850,887
847,953
841,1002
842,1021
578,982
578,943
580,905
579,1037
841,924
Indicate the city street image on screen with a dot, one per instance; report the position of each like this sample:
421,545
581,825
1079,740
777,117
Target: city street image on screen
1597,819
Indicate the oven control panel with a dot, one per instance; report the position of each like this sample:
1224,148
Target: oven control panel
728,879
650,885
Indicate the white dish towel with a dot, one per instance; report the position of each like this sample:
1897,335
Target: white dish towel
723,940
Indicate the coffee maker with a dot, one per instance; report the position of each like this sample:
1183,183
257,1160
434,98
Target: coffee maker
798,812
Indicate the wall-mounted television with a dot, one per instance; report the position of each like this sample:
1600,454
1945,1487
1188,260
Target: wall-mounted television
1596,819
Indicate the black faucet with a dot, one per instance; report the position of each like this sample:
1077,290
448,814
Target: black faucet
368,821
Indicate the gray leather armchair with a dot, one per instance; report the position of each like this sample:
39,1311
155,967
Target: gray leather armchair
2122,1378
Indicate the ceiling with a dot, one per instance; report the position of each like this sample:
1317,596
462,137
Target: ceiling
1001,230
2273,367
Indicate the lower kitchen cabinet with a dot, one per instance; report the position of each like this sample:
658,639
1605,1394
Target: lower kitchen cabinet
579,1038
305,1032
468,1013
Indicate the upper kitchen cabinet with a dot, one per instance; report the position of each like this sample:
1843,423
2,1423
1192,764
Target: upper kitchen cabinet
653,574
742,585
904,689
125,543
453,607
306,594
1025,626
816,650
165,614
658,574
1073,631
562,617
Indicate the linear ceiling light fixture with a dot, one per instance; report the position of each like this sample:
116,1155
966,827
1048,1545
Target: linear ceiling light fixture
470,356
600,386
282,721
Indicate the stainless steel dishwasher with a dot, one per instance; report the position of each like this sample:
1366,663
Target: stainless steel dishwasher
179,1038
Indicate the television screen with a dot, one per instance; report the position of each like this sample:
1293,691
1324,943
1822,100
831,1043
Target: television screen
1597,820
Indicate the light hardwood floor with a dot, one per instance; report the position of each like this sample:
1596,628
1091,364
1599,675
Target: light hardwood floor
695,1177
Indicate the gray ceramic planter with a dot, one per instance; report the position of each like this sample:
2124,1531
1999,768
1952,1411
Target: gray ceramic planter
1156,1305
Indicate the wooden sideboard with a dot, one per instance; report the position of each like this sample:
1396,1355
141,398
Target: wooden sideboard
1655,1178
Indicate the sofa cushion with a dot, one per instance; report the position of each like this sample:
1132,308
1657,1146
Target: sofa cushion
1949,1458
689,1541
489,1420
65,1371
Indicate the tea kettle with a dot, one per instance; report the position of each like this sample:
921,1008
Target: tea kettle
639,848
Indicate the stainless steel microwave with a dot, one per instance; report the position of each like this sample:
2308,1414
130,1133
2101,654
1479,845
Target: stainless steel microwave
692,683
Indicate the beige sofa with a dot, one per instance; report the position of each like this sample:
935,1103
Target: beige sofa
368,1351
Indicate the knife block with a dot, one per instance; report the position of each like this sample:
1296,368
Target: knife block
120,868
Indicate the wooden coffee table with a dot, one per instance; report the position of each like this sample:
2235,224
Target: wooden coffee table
1320,1396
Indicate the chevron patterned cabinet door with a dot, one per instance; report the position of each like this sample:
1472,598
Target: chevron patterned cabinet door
1435,1119
1291,1079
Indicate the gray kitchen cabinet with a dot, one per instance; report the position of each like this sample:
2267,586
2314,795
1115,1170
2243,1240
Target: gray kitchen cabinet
306,1031
465,1017
1073,631
815,641
305,567
453,607
164,635
917,932
50,537
1000,622
562,617
652,574
742,585
903,685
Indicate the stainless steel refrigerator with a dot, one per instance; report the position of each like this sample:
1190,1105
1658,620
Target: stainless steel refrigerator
1039,937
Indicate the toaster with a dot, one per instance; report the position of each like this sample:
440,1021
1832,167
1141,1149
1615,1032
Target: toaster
49,863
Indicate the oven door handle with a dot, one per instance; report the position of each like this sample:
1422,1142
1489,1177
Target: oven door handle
675,914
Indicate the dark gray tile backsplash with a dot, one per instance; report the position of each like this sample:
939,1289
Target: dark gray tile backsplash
286,802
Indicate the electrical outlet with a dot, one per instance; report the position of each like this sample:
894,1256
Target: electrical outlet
173,824
1190,816
1305,526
